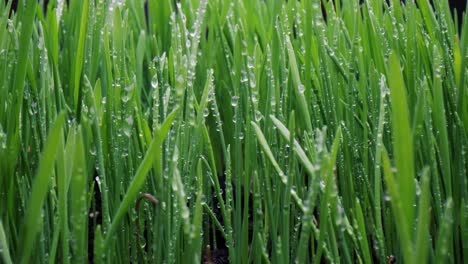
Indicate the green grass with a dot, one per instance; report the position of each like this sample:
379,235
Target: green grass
258,126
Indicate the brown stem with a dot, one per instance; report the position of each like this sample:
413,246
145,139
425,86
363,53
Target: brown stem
149,198
208,259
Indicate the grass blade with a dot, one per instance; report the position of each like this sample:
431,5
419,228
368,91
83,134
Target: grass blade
4,249
402,140
152,154
31,227
266,148
297,147
423,233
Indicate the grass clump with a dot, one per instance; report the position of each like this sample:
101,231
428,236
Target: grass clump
258,131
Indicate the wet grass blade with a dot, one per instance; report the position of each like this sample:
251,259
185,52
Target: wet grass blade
152,154
4,249
78,67
299,87
422,232
31,225
269,154
79,201
19,80
402,140
258,84
397,208
444,250
297,147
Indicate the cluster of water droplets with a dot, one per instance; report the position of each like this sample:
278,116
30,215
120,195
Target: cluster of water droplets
211,97
3,138
384,90
113,4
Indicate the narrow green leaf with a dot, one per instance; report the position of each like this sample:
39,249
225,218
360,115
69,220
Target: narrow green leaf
79,56
403,228
443,247
297,147
31,225
423,233
78,199
267,150
4,249
299,86
402,139
362,233
152,154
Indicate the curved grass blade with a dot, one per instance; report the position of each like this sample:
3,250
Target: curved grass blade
40,187
152,154
297,147
297,82
266,148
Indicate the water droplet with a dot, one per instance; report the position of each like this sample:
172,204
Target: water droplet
206,112
387,198
92,150
130,87
253,80
129,120
258,116
3,138
301,88
235,100
154,81
125,98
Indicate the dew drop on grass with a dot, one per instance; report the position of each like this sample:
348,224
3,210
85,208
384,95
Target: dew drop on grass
244,78
235,101
219,126
322,185
155,82
125,98
98,181
129,120
384,90
253,80
254,97
418,188
250,63
127,131
301,88
92,150
206,112
26,95
339,216
387,198
3,138
10,25
258,116
130,88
